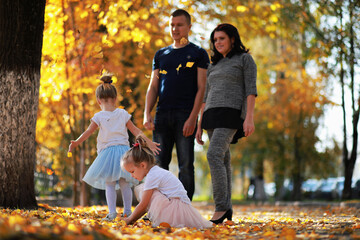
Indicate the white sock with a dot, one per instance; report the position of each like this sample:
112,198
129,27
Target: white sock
110,194
127,195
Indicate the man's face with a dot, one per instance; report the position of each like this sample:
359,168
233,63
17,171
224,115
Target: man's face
179,28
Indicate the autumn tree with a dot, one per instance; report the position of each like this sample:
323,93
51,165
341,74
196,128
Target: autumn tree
21,37
82,38
335,36
290,102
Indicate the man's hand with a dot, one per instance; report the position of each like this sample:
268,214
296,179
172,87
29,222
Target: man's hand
189,127
148,122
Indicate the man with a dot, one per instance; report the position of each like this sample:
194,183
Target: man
178,79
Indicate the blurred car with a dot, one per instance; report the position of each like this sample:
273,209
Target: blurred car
355,186
330,188
309,187
339,186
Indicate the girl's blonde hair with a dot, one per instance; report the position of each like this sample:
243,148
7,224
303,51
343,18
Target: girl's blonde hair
106,90
139,153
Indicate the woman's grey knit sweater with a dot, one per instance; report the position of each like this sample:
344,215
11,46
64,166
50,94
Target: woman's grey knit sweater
230,81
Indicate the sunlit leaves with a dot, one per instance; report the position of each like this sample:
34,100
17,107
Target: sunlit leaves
250,222
241,8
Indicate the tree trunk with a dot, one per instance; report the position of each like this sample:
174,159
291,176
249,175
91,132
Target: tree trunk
259,183
349,161
21,34
297,171
280,170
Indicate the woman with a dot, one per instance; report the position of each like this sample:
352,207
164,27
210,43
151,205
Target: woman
227,111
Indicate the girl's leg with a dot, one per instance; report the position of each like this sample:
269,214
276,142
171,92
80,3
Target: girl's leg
127,195
110,194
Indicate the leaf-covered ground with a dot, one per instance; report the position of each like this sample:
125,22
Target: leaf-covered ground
249,222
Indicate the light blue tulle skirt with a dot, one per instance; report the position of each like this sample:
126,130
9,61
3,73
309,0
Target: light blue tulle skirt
106,168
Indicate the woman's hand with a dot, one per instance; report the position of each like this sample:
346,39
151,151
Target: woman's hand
198,136
249,126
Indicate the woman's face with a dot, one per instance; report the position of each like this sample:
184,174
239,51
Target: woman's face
222,42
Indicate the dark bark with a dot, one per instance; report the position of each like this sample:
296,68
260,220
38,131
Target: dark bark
21,34
297,171
350,160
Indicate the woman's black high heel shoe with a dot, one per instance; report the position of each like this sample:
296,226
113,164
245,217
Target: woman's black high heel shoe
227,214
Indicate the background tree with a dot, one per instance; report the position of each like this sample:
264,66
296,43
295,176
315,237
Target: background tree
331,28
291,101
84,37
21,36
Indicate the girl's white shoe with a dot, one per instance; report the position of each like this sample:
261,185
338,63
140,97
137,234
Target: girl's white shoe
110,217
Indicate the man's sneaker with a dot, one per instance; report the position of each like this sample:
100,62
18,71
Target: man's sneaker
110,217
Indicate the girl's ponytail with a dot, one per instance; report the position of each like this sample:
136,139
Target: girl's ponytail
106,90
139,152
106,79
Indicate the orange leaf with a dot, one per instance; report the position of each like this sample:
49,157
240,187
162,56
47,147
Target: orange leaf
164,224
49,171
230,223
357,226
256,228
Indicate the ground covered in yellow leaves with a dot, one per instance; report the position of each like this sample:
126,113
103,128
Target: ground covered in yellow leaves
249,222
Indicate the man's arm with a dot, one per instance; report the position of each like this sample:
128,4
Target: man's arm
190,123
151,97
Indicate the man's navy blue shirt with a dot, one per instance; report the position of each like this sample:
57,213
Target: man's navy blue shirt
178,75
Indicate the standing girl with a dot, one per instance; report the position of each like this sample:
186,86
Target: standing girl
112,142
227,111
162,195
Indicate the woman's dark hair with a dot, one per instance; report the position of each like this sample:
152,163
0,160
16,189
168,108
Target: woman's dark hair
232,32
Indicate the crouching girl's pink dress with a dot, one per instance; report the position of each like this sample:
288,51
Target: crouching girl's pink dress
169,202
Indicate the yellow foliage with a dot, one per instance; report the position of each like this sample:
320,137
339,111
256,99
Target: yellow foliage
241,8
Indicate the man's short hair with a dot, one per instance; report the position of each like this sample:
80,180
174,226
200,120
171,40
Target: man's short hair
181,12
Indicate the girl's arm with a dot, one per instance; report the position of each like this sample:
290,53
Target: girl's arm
92,127
136,131
141,208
